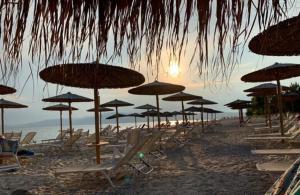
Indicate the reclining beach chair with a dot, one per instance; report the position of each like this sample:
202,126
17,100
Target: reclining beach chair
59,138
107,168
28,139
16,136
67,144
8,151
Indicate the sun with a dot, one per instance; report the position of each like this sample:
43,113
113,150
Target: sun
174,69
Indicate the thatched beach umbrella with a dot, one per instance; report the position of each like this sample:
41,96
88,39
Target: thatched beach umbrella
135,115
119,115
175,113
266,90
167,114
202,101
4,90
157,88
93,76
239,105
275,72
60,108
101,109
4,104
116,104
80,29
193,109
152,113
68,98
282,39
181,96
146,107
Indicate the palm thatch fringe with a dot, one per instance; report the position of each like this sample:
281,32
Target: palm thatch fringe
59,30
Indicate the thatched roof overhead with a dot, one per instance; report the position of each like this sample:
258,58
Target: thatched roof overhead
277,71
6,90
59,107
60,29
67,97
116,103
8,104
282,39
267,88
181,96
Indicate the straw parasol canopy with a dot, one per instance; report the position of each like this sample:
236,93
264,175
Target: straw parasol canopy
277,72
100,110
152,113
201,102
282,39
157,88
146,107
6,90
4,104
68,98
239,105
119,115
95,76
117,103
193,109
72,30
60,108
267,88
135,115
181,96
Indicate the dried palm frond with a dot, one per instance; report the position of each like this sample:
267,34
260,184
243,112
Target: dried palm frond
83,29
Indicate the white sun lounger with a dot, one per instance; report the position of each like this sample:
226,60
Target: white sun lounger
107,168
274,166
276,151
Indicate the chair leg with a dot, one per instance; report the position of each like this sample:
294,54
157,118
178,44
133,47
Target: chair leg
108,178
17,160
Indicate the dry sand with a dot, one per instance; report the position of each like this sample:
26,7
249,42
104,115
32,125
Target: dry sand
220,162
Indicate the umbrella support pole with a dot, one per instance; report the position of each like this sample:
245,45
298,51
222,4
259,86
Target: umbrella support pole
202,124
97,122
135,121
117,118
182,106
70,119
269,112
280,106
2,120
158,114
266,110
148,122
61,128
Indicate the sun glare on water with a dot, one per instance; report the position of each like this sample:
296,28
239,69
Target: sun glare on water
174,69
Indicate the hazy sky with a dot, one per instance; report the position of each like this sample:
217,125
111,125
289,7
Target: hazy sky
220,92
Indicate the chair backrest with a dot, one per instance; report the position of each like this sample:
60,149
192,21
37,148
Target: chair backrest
28,138
85,133
149,145
61,135
133,136
8,146
8,135
70,142
132,152
78,131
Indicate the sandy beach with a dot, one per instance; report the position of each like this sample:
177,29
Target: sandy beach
220,162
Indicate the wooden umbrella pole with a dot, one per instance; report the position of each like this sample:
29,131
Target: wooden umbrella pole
100,119
193,119
97,122
242,115
269,112
158,114
153,122
266,110
2,120
207,118
280,106
202,124
70,119
117,119
182,106
61,130
135,121
148,122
